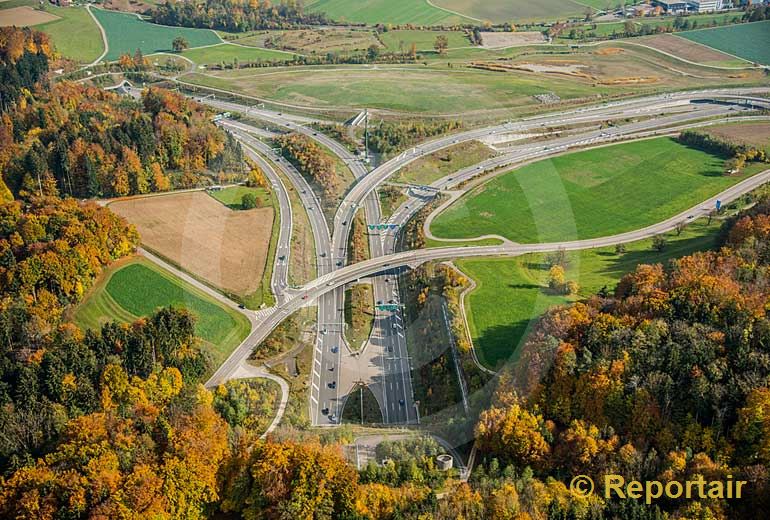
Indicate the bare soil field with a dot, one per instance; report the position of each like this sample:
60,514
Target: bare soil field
314,41
24,16
753,134
224,247
501,40
686,49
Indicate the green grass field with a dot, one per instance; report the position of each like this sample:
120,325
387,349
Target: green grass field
430,168
518,10
385,11
126,33
589,194
512,293
410,89
232,197
424,40
75,35
750,41
228,53
138,288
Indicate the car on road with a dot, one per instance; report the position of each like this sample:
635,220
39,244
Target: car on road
339,263
241,306
323,255
333,418
325,411
391,301
335,350
401,402
282,258
332,385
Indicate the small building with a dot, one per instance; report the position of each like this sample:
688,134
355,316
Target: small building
672,6
444,462
706,6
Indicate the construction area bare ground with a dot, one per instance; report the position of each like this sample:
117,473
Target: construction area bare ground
223,247
686,49
753,134
24,16
500,40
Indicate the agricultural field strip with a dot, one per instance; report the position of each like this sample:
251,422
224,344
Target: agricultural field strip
748,65
733,40
126,32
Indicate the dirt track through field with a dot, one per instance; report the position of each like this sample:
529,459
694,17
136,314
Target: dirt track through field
224,247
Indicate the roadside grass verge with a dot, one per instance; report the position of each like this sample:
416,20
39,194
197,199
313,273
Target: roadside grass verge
228,53
437,165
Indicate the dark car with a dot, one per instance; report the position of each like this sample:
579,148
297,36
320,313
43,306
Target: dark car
241,306
325,411
332,385
401,402
335,350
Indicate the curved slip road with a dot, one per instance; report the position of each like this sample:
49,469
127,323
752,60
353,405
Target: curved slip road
387,243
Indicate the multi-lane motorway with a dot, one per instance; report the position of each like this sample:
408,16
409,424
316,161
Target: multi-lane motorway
385,361
382,363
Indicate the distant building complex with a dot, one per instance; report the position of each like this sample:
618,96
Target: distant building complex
692,6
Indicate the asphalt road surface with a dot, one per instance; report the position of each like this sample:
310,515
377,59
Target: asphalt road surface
389,334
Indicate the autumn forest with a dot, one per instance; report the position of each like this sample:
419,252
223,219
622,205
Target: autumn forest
666,377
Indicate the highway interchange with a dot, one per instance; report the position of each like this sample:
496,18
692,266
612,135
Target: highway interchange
384,363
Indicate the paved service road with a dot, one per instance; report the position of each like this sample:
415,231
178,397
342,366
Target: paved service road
328,287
